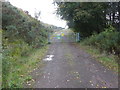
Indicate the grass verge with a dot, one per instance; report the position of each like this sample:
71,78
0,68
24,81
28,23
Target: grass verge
0,70
20,74
109,61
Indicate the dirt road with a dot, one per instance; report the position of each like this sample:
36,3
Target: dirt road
68,66
71,67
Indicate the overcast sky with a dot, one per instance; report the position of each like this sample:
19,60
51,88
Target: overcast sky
45,6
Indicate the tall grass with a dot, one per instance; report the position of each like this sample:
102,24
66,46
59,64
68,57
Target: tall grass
18,59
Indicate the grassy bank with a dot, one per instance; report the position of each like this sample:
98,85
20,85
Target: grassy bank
24,43
18,73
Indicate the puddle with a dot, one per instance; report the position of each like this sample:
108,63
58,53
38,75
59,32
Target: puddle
49,58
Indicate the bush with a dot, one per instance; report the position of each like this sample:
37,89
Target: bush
24,27
21,34
108,40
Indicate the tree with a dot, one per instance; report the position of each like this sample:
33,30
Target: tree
85,18
88,17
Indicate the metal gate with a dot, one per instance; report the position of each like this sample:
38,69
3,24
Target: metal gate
64,36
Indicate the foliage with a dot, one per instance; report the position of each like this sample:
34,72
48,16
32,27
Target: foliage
16,67
22,34
108,40
16,23
98,23
88,17
85,18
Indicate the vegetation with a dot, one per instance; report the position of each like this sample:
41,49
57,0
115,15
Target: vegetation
25,38
16,73
108,41
17,23
110,61
89,17
24,44
98,23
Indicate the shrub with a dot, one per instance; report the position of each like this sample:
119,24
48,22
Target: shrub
108,40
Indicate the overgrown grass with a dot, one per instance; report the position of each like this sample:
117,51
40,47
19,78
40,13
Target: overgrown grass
19,62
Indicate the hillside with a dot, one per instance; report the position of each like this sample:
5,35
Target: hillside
22,34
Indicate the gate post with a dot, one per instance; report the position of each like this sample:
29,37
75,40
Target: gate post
77,37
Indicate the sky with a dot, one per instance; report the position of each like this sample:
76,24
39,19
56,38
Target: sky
45,6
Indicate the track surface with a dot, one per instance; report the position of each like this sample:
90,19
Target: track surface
72,67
